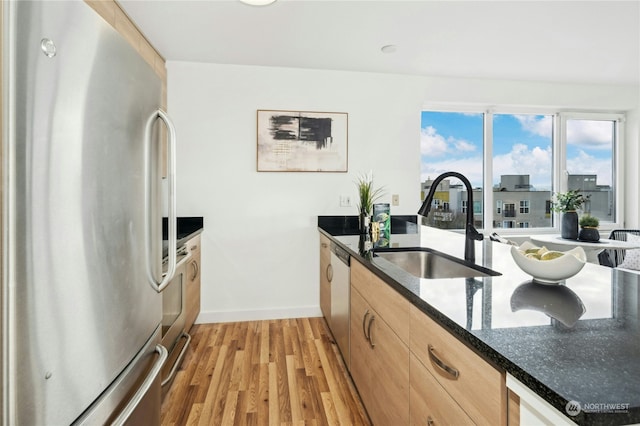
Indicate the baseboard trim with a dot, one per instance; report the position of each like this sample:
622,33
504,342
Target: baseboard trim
210,317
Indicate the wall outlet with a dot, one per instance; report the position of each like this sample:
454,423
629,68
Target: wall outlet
345,201
395,200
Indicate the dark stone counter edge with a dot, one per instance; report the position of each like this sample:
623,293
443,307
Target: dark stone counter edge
348,225
187,228
489,354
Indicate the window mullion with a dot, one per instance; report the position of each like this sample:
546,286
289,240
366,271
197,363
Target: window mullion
487,165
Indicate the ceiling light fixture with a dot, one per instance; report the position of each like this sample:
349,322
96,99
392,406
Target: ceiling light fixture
258,2
389,48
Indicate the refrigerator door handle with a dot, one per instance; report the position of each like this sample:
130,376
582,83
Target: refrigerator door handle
144,387
171,181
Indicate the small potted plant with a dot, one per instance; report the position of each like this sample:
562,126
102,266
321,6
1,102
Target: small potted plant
567,203
367,196
589,228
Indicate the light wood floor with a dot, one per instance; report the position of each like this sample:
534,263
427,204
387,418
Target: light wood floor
279,372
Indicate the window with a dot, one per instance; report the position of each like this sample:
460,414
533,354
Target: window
525,159
509,210
453,141
590,165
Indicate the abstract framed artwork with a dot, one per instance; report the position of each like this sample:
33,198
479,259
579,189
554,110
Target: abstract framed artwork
302,141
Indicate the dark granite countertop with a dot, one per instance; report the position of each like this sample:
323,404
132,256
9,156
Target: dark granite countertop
187,228
594,360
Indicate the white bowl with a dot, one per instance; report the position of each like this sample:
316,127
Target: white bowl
549,271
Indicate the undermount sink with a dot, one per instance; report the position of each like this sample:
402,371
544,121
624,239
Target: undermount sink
427,263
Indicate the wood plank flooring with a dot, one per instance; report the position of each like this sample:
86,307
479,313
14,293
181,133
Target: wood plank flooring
277,372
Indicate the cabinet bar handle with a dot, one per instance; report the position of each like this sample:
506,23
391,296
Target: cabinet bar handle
373,317
452,372
364,320
329,272
430,421
196,269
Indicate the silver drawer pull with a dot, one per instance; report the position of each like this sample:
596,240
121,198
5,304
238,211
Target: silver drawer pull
373,317
364,321
452,372
176,364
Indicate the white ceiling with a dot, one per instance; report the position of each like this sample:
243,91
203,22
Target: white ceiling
581,41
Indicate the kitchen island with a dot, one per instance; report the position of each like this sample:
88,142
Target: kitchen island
579,343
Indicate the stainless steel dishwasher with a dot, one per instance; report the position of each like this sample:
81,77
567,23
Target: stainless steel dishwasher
340,299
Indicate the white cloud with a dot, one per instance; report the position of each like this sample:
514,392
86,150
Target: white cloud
590,134
434,144
587,164
471,167
465,146
431,142
536,162
541,126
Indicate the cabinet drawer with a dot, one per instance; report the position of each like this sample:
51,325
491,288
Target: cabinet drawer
193,282
385,300
325,275
478,388
379,365
429,403
194,245
325,248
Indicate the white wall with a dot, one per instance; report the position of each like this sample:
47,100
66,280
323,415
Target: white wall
260,244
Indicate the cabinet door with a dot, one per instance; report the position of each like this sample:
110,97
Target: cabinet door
360,350
430,403
389,367
193,283
326,274
393,307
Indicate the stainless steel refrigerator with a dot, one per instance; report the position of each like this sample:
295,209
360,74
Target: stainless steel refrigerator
81,221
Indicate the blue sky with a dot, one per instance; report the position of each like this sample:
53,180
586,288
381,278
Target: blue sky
522,145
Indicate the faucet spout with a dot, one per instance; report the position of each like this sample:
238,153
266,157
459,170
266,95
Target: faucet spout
471,233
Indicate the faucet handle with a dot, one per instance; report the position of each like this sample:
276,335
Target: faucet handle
473,233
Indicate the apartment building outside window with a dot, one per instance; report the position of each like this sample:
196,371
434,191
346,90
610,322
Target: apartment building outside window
516,162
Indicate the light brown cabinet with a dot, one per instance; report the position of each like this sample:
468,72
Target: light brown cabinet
193,282
379,357
407,368
476,386
429,403
326,274
410,370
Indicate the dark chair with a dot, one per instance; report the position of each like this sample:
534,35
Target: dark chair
615,257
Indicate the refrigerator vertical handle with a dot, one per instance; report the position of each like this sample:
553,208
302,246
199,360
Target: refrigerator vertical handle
171,180
144,387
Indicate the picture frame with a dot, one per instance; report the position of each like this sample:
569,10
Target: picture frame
302,141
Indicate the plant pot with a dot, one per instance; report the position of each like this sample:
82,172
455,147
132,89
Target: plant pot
589,234
569,225
364,223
